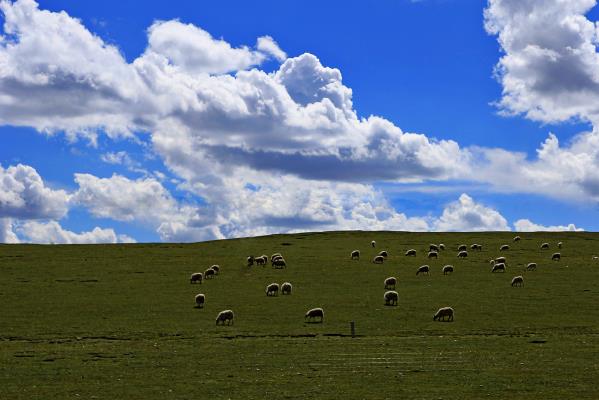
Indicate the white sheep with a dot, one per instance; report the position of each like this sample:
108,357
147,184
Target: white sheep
286,288
411,252
504,247
390,282
384,253
463,254
314,313
447,269
226,315
196,277
531,266
556,257
272,289
391,297
462,247
517,280
500,260
279,263
209,273
517,238
200,300
433,247
373,243
250,261
441,246
476,246
442,313
595,258
275,255
498,267
378,260
433,254
559,244
355,254
424,269
545,246
216,269
261,260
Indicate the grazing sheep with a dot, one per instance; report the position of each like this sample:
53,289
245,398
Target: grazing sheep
498,267
463,254
531,266
442,313
196,277
462,247
595,257
250,261
390,282
373,243
391,298
355,255
286,288
517,238
411,252
476,246
209,273
442,246
226,315
261,260
433,254
447,269
272,289
517,280
200,300
216,269
279,263
556,257
378,259
272,258
504,247
433,247
499,260
384,253
313,313
544,246
424,269
559,244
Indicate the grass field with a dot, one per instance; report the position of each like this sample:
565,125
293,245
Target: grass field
118,321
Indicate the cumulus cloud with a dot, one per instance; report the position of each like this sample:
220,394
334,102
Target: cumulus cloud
525,225
52,232
268,45
7,235
467,215
23,194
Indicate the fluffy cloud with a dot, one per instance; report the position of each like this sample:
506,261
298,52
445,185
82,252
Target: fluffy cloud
7,234
23,194
467,215
525,225
52,232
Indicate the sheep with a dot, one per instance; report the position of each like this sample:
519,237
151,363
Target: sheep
424,269
476,246
200,300
463,254
517,280
261,260
442,313
286,288
531,266
226,315
433,254
433,247
447,269
462,247
378,260
411,252
441,246
595,258
384,253
498,267
313,313
504,247
279,263
250,261
556,257
517,238
545,246
275,255
209,273
373,243
391,298
272,289
355,255
216,269
390,282
559,244
196,277
500,260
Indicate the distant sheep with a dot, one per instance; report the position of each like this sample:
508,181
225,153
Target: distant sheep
196,277
424,269
279,263
261,260
200,300
442,313
499,260
544,246
216,269
384,253
355,255
556,257
391,298
441,246
559,244
517,280
286,288
373,243
275,255
531,266
448,269
250,261
272,289
226,315
463,254
433,247
411,252
462,247
504,247
476,246
390,282
314,313
517,238
378,260
498,267
595,257
433,254
209,273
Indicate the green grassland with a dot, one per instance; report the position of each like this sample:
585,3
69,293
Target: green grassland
118,321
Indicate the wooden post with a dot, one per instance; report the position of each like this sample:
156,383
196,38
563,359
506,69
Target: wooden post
352,327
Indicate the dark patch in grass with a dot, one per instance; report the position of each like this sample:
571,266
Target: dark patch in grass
24,355
89,280
286,244
64,280
538,341
305,335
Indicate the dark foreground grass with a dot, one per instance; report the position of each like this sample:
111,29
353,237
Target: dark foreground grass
118,321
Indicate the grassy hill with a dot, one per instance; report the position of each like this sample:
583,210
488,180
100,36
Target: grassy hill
118,321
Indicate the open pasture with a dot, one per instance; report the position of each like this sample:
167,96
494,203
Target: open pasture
118,321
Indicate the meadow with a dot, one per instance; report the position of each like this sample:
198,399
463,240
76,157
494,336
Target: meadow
119,322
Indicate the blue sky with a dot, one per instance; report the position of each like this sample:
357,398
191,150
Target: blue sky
200,120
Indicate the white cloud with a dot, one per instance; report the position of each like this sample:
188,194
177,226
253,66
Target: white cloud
7,234
525,225
467,215
268,45
23,194
52,232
